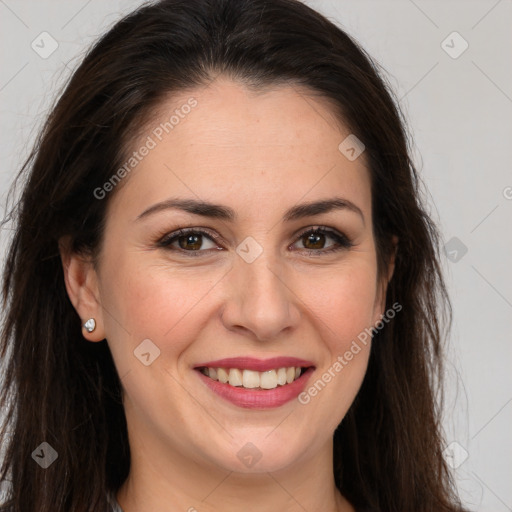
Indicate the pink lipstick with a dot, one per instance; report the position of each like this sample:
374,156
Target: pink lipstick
256,383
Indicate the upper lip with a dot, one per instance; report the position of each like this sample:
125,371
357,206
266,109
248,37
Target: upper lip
258,365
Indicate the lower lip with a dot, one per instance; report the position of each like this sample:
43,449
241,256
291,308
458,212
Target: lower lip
258,399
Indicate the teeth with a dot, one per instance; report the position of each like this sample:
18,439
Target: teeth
251,379
268,380
222,375
281,376
235,377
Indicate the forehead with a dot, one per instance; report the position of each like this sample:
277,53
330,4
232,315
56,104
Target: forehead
244,148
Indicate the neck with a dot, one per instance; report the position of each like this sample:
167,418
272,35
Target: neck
163,478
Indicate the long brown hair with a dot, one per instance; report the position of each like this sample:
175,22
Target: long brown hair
64,390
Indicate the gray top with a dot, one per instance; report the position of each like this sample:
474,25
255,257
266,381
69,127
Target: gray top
113,503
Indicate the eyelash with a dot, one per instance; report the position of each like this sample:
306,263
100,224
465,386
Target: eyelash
343,243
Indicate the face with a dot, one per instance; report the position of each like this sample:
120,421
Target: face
259,289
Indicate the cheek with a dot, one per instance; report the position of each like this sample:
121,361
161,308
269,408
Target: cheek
152,302
159,300
342,312
341,302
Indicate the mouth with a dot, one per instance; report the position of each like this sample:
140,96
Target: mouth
254,383
254,380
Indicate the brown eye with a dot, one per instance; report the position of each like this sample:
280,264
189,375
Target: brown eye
314,241
188,241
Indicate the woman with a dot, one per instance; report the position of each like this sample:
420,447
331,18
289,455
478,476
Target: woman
223,290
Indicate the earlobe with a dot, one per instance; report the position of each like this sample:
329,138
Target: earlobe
81,281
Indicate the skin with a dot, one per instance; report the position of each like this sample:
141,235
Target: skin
259,154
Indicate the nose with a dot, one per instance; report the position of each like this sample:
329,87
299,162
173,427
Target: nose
260,300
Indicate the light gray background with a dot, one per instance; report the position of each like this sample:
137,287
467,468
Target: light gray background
459,110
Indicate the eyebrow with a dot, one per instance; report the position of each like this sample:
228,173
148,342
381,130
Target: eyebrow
216,211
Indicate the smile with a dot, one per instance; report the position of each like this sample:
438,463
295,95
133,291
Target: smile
250,379
255,383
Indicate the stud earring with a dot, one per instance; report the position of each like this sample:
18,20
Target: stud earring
90,325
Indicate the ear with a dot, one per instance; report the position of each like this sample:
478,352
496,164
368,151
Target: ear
380,302
81,282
